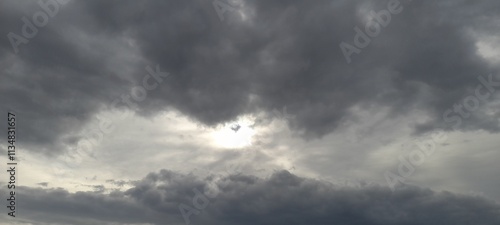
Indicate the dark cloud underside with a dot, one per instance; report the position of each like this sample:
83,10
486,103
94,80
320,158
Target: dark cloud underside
286,53
283,198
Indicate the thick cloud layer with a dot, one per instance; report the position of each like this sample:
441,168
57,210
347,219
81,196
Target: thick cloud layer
265,55
282,198
427,64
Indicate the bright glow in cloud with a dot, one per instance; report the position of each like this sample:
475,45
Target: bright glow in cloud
234,135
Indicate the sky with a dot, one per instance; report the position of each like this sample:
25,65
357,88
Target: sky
239,112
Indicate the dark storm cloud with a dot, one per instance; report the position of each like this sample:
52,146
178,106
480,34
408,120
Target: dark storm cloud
58,79
285,53
283,198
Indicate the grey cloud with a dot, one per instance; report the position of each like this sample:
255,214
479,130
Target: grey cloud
283,198
43,184
288,56
285,54
58,80
120,183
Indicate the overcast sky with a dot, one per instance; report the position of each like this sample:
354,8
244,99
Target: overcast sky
252,112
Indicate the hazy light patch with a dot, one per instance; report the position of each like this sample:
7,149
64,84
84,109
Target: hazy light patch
136,146
363,12
488,48
237,134
245,13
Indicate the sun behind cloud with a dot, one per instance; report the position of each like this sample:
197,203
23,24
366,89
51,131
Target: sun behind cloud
237,134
